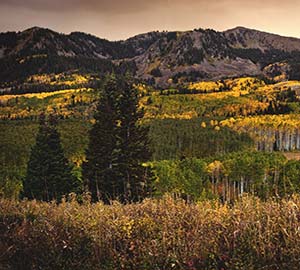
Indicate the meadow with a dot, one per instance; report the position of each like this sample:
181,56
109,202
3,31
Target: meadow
163,234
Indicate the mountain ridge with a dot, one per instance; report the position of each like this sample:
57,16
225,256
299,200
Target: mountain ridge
238,27
159,58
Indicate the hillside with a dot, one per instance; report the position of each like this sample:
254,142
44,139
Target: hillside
192,129
159,58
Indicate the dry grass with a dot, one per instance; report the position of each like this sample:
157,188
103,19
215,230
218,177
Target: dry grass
292,155
156,234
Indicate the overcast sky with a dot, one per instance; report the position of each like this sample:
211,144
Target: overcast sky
119,19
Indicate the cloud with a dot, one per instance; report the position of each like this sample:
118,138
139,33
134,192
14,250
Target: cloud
111,6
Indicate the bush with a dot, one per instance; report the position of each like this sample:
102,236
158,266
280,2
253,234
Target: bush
155,234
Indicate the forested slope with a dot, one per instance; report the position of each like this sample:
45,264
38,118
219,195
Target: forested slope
204,121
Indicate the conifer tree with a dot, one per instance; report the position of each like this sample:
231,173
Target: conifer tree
118,146
98,169
133,146
48,174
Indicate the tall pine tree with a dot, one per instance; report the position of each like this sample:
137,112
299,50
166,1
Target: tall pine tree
49,174
118,145
98,169
133,145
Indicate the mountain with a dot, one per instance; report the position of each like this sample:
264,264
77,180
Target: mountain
37,41
160,58
208,54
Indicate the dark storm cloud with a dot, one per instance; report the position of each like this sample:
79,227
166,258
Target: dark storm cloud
116,19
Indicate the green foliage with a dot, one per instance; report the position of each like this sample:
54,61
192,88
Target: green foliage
97,170
132,144
17,139
290,178
187,177
181,125
173,138
228,177
48,173
118,145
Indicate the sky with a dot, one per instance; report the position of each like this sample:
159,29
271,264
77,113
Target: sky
120,19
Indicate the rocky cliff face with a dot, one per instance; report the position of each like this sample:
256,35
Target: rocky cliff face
161,58
241,37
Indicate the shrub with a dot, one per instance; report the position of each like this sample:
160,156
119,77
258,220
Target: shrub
155,234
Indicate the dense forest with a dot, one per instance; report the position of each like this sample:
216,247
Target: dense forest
197,133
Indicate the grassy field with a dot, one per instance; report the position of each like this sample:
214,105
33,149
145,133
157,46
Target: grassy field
155,234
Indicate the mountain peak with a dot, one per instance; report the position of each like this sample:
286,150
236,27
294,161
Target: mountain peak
242,29
238,28
36,29
157,57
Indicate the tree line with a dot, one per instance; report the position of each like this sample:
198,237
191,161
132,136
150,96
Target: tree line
228,177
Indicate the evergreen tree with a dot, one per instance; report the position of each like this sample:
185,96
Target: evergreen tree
118,146
48,171
98,170
133,146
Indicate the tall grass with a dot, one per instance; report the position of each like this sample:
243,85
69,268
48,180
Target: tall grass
155,234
